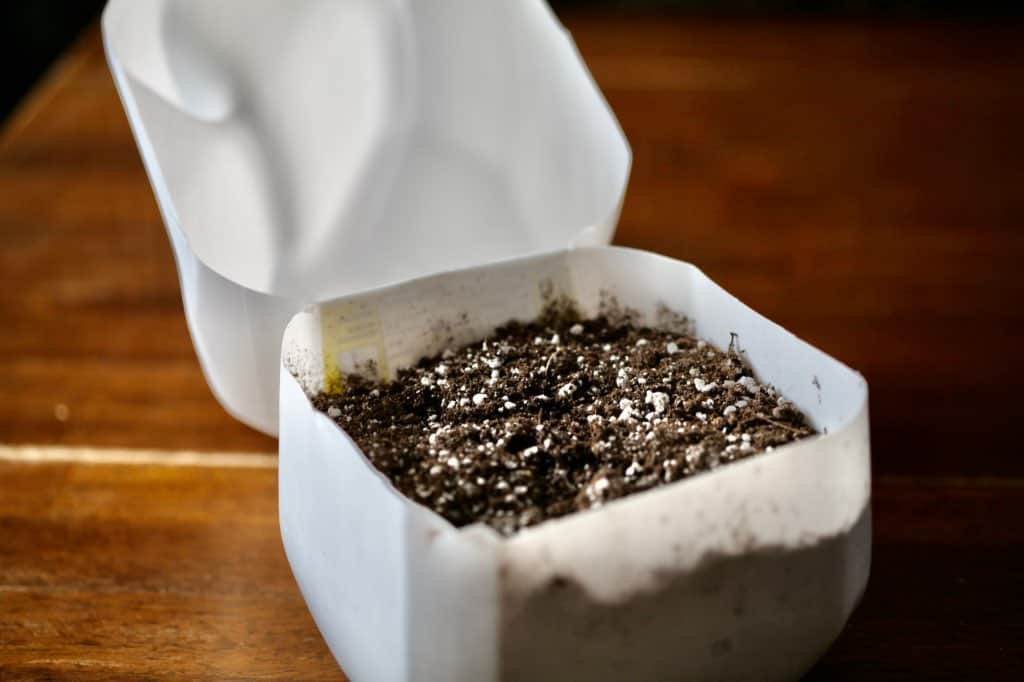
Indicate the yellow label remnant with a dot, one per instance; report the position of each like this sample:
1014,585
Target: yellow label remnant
352,343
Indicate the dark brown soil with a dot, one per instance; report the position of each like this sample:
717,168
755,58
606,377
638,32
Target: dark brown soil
562,414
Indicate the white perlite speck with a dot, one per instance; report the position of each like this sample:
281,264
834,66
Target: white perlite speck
672,347
658,399
427,380
704,386
595,491
748,383
576,329
333,412
479,398
567,390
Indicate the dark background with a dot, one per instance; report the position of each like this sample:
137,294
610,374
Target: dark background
35,32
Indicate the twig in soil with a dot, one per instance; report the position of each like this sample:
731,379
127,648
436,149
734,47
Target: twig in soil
547,365
779,424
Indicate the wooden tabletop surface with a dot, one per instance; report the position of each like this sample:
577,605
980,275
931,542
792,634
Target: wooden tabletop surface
862,185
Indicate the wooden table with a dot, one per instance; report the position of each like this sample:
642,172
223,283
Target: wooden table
863,185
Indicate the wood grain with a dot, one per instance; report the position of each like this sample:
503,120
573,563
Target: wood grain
128,571
132,571
860,184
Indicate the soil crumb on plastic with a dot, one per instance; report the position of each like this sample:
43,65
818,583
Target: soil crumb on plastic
562,414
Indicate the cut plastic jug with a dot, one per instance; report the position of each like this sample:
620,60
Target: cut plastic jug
746,572
372,169
303,150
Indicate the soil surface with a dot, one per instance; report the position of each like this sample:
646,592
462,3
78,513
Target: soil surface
559,415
